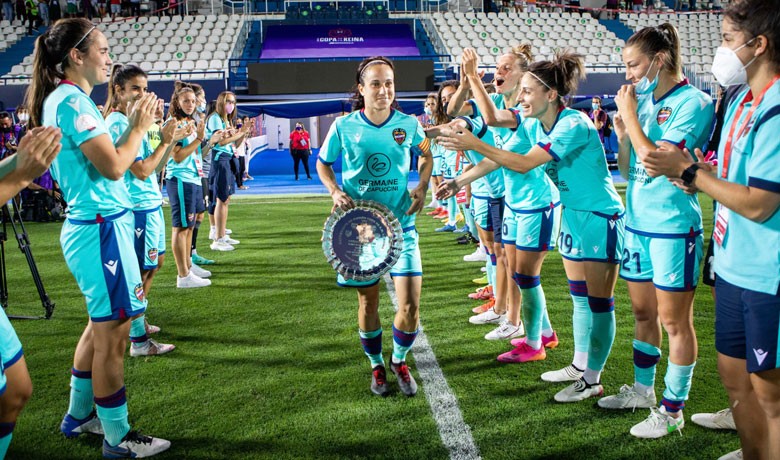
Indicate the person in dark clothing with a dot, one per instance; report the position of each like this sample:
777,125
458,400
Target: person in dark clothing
300,148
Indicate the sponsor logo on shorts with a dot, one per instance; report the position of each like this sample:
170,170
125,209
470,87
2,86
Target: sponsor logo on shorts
690,247
139,292
190,217
760,355
672,277
111,265
399,135
596,249
663,115
139,232
153,254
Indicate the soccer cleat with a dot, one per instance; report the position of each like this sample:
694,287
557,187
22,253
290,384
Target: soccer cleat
200,260
578,391
488,317
548,342
459,218
151,329
628,398
71,427
379,381
463,229
431,205
135,445
505,330
230,240
733,455
200,272
213,234
221,245
405,380
477,256
720,420
434,212
443,214
446,228
523,354
485,306
191,281
567,374
483,293
480,281
228,231
151,348
658,424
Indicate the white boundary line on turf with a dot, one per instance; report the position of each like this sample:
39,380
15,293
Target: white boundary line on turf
454,432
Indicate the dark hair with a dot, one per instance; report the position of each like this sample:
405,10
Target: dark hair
120,75
357,99
4,114
440,115
174,109
50,60
660,39
562,74
758,17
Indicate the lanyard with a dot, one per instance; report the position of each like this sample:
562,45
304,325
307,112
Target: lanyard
743,127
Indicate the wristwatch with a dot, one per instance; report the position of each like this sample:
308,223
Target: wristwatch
689,174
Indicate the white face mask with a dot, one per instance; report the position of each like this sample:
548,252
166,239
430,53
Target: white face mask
645,86
727,68
428,111
23,117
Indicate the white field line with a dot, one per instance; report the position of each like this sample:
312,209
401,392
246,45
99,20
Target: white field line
455,433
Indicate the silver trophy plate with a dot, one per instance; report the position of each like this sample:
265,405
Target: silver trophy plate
364,242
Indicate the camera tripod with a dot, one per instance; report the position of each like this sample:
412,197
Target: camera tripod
24,246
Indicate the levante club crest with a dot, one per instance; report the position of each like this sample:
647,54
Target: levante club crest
663,115
399,135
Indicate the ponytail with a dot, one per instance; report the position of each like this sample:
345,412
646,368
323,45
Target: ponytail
120,74
661,39
523,54
562,74
50,59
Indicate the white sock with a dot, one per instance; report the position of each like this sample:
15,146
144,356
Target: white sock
580,359
535,344
592,376
643,389
547,333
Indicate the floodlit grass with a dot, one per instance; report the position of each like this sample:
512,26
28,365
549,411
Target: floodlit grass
268,364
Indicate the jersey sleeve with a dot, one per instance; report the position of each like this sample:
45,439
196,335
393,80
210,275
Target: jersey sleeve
116,128
693,118
766,152
331,147
79,119
476,125
567,137
214,123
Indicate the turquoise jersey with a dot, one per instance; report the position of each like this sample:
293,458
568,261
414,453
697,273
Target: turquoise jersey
145,194
500,135
88,193
750,255
449,163
530,191
579,166
190,169
375,158
494,180
214,123
683,116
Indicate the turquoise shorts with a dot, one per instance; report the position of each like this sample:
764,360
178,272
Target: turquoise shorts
408,264
531,230
10,348
480,206
671,262
436,167
149,237
101,256
591,236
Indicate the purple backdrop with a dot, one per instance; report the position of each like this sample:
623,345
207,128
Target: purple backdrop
284,42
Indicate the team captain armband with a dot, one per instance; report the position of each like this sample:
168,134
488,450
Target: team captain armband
425,145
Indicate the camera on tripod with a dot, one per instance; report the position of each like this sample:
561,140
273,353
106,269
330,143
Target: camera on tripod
20,232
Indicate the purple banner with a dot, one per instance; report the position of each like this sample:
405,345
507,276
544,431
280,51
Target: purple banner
283,42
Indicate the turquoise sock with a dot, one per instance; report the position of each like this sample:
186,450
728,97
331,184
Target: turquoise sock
470,220
372,346
582,320
678,385
6,433
80,405
602,334
112,412
402,343
534,305
138,330
491,267
452,209
546,325
646,357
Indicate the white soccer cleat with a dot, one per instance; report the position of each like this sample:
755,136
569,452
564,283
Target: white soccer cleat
658,424
579,391
228,231
191,281
136,445
567,374
151,348
488,317
477,256
720,420
200,272
628,398
221,245
230,240
734,455
505,331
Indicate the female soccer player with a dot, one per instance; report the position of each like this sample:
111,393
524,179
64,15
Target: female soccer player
33,156
664,244
448,158
221,177
127,85
183,175
205,151
746,186
71,58
374,142
592,218
431,102
528,227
